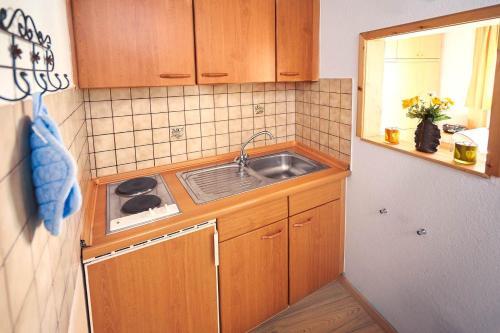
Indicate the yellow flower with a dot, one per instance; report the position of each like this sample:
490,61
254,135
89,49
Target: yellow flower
414,100
407,103
450,101
436,101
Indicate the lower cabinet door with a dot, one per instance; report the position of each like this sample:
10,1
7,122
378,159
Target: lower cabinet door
253,275
170,286
314,249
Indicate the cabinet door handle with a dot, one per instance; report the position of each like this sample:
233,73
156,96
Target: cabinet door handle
289,73
276,234
214,74
174,76
301,224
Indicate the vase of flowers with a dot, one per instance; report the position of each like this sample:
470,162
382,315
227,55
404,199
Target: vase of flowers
429,111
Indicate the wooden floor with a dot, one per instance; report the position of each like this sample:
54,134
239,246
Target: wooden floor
330,309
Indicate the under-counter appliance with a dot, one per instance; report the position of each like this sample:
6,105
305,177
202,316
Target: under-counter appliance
138,201
162,284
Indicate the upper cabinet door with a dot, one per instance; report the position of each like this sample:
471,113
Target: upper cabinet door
297,24
427,47
235,40
130,43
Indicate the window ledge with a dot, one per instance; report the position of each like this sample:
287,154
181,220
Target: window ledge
443,156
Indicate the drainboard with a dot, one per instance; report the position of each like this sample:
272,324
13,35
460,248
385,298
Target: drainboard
218,182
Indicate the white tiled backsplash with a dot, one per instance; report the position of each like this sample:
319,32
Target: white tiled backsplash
323,116
135,128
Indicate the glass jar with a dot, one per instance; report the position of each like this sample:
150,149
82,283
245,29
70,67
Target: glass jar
392,135
465,152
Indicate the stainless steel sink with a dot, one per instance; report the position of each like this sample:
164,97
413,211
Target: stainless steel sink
220,181
283,166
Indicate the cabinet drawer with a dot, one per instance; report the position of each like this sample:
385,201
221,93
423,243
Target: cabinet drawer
315,197
252,218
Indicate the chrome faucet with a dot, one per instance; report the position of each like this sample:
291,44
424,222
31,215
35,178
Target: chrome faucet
243,158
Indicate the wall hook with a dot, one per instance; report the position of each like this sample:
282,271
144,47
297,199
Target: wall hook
421,232
382,211
21,30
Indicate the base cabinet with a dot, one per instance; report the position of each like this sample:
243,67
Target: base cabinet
314,249
253,274
269,256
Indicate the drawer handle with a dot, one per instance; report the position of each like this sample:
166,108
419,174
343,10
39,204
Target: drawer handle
272,235
214,74
174,76
289,73
306,222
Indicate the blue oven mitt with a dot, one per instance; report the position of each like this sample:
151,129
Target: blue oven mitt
53,170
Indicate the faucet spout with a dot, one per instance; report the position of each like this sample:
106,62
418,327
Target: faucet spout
243,158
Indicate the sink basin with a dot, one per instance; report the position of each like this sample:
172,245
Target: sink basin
220,181
283,166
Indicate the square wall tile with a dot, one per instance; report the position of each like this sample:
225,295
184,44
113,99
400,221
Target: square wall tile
175,91
206,101
142,122
105,159
191,91
175,104
144,153
121,124
140,92
206,89
159,120
161,149
120,93
192,116
99,94
178,147
176,118
161,135
124,140
104,142
159,105
144,137
100,109
141,106
121,107
102,126
158,92
191,102
346,86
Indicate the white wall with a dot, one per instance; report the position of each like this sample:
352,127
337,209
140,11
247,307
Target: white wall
50,18
448,281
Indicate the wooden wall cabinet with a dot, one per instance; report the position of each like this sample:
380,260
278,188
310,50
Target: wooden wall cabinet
129,43
297,40
314,249
253,275
170,286
235,40
424,47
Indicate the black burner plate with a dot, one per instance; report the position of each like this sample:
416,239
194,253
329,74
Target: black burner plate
136,186
141,203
